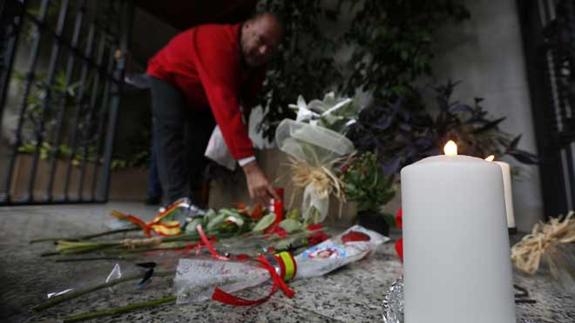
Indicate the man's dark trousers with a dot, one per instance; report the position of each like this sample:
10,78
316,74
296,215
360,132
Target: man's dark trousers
181,134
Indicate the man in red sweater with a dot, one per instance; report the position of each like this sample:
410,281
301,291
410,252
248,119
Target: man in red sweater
205,73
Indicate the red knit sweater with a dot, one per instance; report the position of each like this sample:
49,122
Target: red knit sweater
205,64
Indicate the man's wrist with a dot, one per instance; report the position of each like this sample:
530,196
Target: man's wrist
244,161
251,168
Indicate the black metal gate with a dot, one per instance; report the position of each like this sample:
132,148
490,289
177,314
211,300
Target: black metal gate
61,71
548,28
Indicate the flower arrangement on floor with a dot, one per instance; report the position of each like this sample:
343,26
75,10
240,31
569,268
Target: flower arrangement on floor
182,226
227,270
317,146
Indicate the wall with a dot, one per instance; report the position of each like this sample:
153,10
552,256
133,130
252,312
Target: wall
149,34
485,52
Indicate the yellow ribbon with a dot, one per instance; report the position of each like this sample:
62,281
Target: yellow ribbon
159,225
289,265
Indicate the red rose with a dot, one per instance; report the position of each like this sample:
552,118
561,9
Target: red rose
352,236
399,218
258,212
316,238
277,230
399,248
314,227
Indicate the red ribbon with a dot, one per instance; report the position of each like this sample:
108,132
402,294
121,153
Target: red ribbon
227,298
278,283
208,244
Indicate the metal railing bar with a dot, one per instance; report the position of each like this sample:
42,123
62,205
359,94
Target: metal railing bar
47,106
127,12
72,100
101,121
9,55
64,43
58,133
90,116
78,110
34,53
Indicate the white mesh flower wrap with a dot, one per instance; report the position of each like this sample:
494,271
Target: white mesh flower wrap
315,150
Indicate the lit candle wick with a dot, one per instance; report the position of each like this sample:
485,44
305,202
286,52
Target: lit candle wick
450,148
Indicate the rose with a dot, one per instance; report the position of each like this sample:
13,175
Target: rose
399,218
399,248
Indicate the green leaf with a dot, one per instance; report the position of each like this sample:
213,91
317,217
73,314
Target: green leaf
294,214
290,225
191,227
264,222
217,220
490,125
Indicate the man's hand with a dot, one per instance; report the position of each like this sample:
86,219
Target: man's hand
259,187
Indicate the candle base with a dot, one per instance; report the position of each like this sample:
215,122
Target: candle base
393,304
512,230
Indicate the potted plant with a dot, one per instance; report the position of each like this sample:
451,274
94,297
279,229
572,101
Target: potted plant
407,129
367,185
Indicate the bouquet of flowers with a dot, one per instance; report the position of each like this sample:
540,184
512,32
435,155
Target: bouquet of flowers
219,277
316,143
184,226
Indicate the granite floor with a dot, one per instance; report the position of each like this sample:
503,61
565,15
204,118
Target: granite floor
351,294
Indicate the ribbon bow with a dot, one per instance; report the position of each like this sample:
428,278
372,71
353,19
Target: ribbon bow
318,183
158,225
527,253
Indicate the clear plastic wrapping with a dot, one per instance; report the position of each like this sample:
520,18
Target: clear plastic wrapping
316,151
197,278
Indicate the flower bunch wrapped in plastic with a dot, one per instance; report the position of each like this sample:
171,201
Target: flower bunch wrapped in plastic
549,244
200,279
316,143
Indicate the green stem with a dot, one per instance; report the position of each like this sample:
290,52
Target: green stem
140,250
69,259
86,237
119,310
100,246
79,247
77,293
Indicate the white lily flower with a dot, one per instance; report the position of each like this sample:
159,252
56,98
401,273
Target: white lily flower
303,112
332,112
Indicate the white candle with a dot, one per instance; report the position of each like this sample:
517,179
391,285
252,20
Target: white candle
456,248
508,191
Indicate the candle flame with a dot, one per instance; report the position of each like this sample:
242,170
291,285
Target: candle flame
450,148
490,158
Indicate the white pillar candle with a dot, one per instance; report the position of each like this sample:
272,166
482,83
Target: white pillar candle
457,264
508,191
